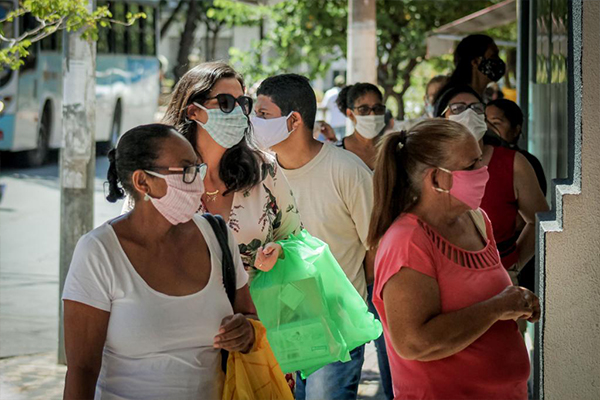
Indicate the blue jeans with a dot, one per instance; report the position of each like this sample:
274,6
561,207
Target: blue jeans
382,357
337,381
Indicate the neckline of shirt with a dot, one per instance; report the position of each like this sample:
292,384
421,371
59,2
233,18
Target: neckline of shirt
309,165
139,278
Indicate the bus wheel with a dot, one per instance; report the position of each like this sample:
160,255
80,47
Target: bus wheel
115,130
37,156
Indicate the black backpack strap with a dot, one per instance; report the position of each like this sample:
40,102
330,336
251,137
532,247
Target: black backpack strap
219,226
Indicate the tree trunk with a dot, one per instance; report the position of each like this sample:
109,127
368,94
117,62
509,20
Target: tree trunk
212,51
77,155
412,64
187,40
169,21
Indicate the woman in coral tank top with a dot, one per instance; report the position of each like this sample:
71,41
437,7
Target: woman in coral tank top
447,305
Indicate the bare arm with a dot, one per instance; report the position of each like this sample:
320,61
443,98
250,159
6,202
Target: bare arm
424,333
530,200
85,335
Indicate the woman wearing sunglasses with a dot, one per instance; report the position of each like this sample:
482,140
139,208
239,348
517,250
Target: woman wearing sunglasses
243,184
363,104
145,310
512,190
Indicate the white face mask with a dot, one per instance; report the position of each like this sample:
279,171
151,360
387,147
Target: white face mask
369,126
473,121
269,132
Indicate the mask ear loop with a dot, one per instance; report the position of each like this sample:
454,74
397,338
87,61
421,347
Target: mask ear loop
286,120
438,189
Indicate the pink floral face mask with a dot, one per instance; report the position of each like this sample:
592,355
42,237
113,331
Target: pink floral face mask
467,186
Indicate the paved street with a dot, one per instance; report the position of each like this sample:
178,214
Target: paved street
29,251
29,240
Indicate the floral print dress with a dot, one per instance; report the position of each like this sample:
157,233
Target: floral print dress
265,213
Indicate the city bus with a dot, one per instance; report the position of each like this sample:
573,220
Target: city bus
127,82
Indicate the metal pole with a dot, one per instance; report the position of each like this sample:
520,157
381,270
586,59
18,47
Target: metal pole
362,41
77,154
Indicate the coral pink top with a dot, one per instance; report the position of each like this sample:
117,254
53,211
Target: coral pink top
495,366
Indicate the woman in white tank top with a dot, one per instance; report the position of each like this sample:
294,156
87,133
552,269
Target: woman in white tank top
146,312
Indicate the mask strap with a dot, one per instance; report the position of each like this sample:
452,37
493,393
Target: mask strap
440,189
155,174
286,119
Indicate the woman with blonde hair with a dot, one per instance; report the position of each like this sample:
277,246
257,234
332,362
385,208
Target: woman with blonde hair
447,305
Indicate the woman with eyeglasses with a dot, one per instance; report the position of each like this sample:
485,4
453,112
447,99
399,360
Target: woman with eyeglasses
512,190
363,104
447,305
145,308
243,184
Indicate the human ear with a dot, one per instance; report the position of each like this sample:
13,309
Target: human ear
196,113
140,183
350,115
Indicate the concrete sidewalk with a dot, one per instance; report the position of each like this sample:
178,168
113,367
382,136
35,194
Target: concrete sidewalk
38,377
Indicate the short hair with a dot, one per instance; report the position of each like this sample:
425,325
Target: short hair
443,79
291,92
443,98
348,95
511,111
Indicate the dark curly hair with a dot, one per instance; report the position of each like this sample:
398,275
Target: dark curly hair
138,148
351,93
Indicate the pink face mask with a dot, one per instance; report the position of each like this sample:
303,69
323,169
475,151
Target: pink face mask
467,186
182,200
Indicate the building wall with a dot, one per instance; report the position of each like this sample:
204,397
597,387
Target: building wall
571,323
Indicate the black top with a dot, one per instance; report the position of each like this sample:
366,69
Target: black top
537,167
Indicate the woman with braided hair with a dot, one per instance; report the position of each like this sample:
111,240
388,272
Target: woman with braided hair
447,305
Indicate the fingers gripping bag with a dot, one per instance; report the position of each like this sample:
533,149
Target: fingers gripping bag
312,313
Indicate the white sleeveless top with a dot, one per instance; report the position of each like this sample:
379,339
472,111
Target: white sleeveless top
157,346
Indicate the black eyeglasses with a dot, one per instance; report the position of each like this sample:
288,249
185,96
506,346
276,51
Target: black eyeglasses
227,103
378,109
458,108
188,173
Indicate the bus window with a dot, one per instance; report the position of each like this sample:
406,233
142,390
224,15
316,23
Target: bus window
133,32
52,42
103,44
149,32
8,30
118,31
29,23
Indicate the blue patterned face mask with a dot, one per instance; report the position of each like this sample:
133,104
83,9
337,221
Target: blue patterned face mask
227,129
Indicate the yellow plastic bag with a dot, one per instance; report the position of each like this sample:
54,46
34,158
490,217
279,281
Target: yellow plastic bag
256,375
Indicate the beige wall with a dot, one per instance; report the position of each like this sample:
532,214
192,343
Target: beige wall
571,330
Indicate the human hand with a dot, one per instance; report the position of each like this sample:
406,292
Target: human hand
323,128
235,334
516,302
267,257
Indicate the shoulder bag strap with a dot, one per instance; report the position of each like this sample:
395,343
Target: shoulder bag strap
219,226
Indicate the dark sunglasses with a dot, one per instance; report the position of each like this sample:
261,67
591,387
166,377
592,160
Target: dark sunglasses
378,109
458,108
227,103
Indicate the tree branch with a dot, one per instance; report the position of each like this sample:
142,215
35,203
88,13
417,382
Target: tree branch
169,21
